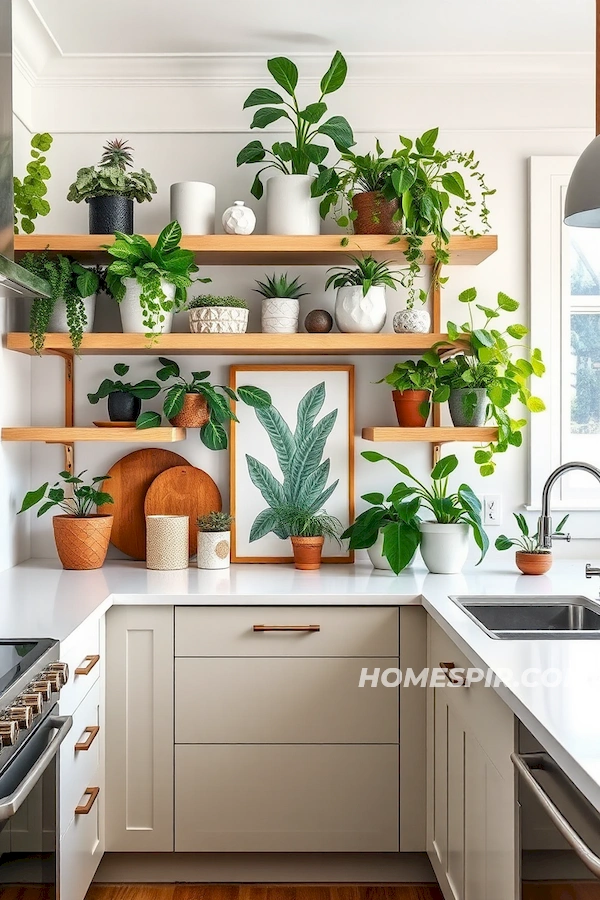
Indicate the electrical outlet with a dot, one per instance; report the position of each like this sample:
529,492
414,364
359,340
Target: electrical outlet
492,509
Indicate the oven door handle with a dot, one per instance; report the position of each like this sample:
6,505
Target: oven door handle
538,760
10,804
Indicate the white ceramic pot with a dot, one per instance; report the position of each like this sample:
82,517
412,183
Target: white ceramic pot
363,314
239,219
290,208
167,542
218,320
412,321
378,560
444,548
58,320
213,549
132,317
193,204
280,315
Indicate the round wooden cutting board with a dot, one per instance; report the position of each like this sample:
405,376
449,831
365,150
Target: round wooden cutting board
130,478
183,491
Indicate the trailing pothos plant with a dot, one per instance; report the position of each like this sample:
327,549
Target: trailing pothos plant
396,520
305,152
218,397
486,349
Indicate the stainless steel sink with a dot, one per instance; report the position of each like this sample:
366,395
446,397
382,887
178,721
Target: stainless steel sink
534,618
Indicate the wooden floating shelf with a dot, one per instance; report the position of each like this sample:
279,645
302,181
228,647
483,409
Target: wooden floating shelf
431,435
70,435
233,344
267,249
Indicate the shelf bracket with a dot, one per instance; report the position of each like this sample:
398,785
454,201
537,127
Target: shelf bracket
69,393
436,454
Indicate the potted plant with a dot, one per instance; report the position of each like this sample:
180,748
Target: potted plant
214,540
468,380
124,399
444,541
360,299
307,532
280,305
388,531
531,558
109,189
290,207
218,315
70,308
81,535
414,387
30,193
199,404
150,283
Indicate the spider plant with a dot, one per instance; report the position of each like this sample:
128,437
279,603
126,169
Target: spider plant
527,542
301,522
367,271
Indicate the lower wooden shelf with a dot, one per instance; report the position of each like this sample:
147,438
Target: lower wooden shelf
432,435
70,435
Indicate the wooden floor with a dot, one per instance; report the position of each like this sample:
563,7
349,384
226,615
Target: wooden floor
262,892
589,891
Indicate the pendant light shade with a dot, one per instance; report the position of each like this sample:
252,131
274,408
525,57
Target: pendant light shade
582,203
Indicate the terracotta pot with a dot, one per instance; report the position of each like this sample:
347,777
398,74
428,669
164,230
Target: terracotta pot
194,413
82,543
407,405
533,563
375,214
307,552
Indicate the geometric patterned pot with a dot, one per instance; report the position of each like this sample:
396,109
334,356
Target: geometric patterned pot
412,321
82,542
280,315
218,320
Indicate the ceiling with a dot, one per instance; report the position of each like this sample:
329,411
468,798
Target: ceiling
141,27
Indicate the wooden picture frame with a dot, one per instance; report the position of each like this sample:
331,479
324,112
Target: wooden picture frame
339,394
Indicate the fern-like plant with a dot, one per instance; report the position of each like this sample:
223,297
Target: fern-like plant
300,458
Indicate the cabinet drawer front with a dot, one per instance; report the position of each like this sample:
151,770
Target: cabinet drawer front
343,631
79,652
289,701
79,768
308,798
81,850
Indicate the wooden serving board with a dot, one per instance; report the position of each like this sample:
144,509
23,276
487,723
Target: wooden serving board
130,478
183,491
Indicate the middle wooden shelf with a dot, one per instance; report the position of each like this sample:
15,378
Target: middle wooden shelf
441,434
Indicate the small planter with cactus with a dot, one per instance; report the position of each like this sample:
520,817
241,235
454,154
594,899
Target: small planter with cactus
280,306
531,558
218,315
214,540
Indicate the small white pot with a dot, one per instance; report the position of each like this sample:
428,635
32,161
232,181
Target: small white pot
238,219
213,549
58,320
280,315
444,548
218,320
355,312
167,544
412,321
378,560
193,205
132,318
290,208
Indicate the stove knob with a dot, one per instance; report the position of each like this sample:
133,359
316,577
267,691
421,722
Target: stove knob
34,700
22,715
62,668
43,687
54,679
9,732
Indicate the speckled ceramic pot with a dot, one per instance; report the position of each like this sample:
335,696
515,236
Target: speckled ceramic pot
412,321
213,549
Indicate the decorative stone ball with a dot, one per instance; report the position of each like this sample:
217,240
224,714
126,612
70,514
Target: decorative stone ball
239,219
318,321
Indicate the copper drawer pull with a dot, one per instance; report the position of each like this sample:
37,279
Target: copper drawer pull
448,670
92,731
84,810
91,662
286,627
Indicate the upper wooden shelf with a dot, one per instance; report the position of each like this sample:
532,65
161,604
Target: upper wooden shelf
267,249
58,435
233,344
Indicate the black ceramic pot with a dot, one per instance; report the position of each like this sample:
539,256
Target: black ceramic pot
123,407
110,214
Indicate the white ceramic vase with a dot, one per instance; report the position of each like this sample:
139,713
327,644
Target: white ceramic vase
412,321
213,549
218,320
132,318
238,219
444,548
290,208
280,315
167,542
362,314
58,320
193,204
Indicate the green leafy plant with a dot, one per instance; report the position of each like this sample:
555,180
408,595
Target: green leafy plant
143,390
70,282
110,177
208,300
85,497
527,542
418,376
299,454
30,192
393,518
298,157
355,174
136,258
366,272
300,522
218,397
281,286
447,508
214,521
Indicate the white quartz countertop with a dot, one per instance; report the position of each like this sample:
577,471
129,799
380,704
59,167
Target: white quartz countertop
39,599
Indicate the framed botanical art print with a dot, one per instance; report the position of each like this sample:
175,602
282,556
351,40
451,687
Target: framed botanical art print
298,453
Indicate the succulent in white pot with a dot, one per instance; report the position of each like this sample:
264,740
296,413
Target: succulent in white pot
360,305
280,305
214,540
218,315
